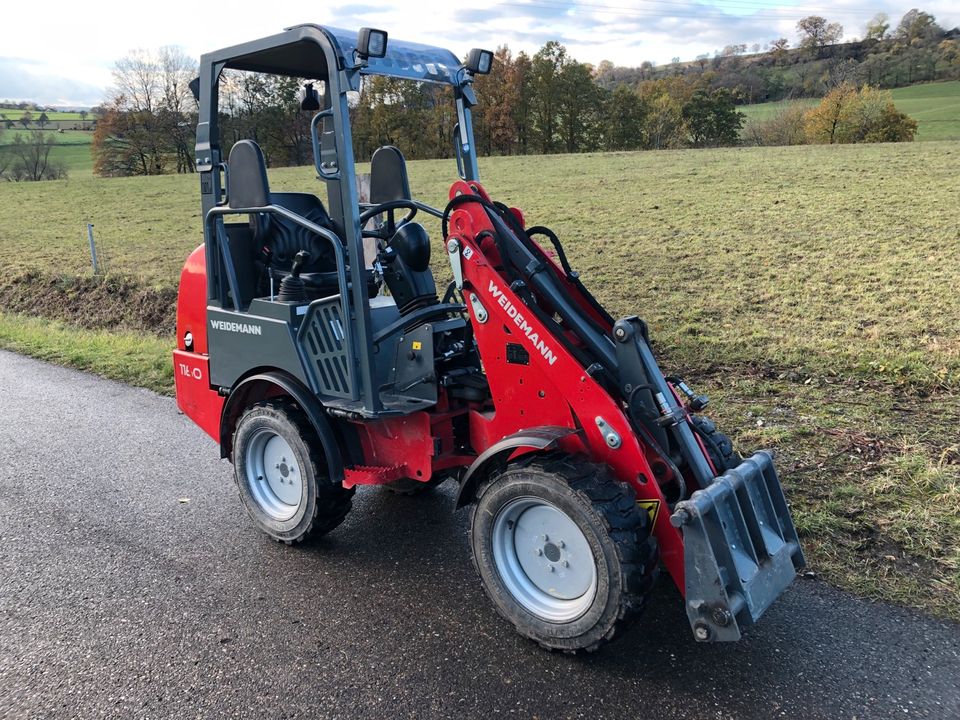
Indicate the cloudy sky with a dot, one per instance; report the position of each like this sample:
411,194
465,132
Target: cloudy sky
61,52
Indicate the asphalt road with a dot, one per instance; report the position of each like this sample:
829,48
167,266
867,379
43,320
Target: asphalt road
119,600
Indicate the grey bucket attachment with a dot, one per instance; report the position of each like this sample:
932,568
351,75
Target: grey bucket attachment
740,548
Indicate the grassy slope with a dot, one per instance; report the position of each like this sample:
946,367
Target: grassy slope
935,106
126,357
806,288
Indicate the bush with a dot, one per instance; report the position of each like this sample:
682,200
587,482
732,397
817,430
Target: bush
876,119
786,127
849,115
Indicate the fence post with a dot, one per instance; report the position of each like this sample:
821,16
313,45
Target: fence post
93,249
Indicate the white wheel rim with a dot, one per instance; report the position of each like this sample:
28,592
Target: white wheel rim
273,475
544,560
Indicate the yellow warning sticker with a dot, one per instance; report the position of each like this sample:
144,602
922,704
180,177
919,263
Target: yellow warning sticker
417,345
652,507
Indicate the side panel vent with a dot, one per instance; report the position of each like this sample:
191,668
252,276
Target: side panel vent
324,344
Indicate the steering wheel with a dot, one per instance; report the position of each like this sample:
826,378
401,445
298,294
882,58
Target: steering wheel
385,207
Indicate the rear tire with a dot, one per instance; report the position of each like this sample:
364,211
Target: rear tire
567,514
282,475
719,446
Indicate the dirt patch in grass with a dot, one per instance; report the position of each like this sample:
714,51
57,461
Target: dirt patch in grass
872,473
91,303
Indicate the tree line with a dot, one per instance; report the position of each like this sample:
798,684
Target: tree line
544,103
916,49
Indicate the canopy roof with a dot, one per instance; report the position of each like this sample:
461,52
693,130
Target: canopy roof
297,52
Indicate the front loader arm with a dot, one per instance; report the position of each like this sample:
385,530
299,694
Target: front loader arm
730,547
536,379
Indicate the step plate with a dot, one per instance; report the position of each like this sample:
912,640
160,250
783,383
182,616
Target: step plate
741,549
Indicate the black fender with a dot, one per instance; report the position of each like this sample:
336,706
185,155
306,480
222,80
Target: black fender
259,386
540,439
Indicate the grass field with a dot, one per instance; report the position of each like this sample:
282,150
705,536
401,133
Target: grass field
935,107
809,289
72,148
16,115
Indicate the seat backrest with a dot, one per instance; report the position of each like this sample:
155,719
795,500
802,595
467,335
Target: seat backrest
388,176
286,238
247,185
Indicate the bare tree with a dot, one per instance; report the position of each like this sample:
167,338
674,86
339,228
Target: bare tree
878,27
137,79
843,72
29,159
26,118
816,33
148,126
178,104
778,49
917,26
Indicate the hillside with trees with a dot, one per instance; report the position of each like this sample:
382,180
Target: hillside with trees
915,50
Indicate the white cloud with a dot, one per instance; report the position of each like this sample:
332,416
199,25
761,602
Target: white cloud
65,49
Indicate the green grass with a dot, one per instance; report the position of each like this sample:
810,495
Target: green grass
128,357
67,137
72,148
935,107
767,110
809,290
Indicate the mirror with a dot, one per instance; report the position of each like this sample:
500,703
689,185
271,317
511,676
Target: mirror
311,98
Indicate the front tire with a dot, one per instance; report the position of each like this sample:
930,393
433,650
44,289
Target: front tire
563,551
282,476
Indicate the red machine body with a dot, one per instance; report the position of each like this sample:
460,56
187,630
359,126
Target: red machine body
551,390
196,396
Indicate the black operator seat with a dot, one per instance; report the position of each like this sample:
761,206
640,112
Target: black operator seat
277,240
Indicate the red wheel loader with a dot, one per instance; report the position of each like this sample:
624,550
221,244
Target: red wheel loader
585,469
